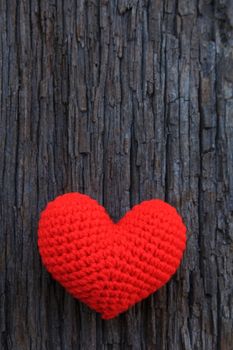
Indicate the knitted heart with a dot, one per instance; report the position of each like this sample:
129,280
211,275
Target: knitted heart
110,266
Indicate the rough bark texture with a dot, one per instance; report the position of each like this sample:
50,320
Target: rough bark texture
122,100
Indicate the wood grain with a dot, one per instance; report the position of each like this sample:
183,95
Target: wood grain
123,100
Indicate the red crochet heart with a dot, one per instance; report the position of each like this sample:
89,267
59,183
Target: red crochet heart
109,266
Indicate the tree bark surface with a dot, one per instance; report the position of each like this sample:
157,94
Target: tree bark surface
125,101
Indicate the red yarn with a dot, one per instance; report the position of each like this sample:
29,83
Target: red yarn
109,266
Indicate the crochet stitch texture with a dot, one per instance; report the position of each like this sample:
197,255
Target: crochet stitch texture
110,266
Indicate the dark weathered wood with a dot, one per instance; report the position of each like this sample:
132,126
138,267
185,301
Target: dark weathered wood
123,100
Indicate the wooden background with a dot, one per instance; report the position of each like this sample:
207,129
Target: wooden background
123,100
